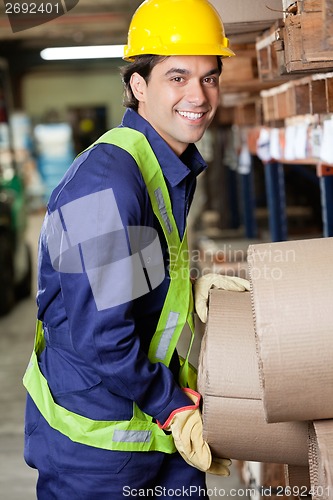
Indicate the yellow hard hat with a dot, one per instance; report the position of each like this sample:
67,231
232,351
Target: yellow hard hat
176,27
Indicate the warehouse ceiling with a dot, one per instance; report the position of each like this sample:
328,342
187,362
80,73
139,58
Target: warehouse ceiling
98,22
89,22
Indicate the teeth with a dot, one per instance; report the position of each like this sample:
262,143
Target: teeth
190,116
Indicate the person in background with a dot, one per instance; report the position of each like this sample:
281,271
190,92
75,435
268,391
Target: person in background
112,410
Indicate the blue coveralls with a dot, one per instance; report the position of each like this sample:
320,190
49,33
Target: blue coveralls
95,360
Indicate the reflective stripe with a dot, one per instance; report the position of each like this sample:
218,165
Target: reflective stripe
80,429
166,337
131,436
140,433
162,208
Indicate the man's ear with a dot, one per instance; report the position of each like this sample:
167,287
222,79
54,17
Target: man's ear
138,86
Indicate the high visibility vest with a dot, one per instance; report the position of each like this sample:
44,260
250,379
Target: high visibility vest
140,433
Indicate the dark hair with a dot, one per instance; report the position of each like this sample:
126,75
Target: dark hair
143,65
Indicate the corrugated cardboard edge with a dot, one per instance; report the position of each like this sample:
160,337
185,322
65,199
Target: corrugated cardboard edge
202,366
250,252
293,327
229,343
321,459
234,422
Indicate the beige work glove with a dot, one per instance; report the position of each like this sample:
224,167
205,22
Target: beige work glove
212,280
186,426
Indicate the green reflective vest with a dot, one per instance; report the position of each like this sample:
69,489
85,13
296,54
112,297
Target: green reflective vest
140,433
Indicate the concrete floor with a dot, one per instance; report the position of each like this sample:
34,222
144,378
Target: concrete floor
17,480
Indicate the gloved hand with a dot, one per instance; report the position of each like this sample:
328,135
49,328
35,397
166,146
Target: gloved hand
186,426
203,284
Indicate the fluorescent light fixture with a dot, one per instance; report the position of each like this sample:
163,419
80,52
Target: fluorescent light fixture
88,52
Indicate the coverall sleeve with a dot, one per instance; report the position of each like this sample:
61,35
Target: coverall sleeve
101,276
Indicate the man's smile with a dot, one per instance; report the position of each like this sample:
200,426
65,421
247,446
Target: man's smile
190,115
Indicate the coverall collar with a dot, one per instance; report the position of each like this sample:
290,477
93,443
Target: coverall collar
174,168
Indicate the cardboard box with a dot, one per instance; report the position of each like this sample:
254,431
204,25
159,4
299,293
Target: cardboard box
292,304
228,379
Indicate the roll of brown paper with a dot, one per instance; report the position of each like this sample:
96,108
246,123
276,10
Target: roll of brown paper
321,459
228,378
292,302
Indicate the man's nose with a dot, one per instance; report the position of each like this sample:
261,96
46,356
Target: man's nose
196,93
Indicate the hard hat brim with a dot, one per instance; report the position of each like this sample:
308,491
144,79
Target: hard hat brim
193,50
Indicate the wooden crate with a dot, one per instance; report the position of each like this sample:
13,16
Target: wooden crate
225,115
287,100
270,53
242,67
322,93
310,5
287,5
268,106
308,95
328,24
318,96
305,47
248,113
300,43
284,103
301,102
329,94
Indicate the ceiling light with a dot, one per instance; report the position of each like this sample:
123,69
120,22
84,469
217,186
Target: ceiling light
88,52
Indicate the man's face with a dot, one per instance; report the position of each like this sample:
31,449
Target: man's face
180,99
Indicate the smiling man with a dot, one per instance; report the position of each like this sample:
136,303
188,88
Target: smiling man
111,408
180,99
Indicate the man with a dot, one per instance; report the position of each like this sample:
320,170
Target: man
112,411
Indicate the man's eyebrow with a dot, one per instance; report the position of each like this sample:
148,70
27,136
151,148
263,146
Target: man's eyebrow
212,72
182,71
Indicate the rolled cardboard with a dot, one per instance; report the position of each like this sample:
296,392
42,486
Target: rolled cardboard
291,288
321,459
228,378
228,365
236,428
